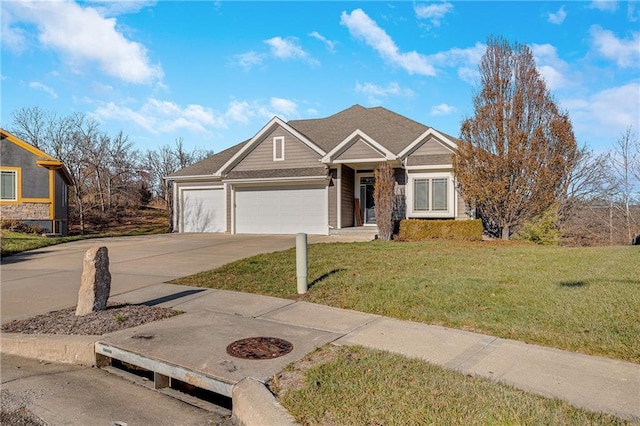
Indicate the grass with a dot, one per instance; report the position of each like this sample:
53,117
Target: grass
144,223
358,386
578,299
17,242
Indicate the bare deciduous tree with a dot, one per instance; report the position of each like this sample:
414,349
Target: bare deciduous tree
625,164
166,160
518,149
31,125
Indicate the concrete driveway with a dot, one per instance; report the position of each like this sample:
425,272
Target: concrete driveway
48,279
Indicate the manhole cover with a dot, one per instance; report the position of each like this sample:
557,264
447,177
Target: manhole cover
259,348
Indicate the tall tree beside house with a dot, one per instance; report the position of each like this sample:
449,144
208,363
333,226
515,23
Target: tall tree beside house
385,200
518,149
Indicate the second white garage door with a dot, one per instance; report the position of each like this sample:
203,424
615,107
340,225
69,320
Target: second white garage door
282,210
203,210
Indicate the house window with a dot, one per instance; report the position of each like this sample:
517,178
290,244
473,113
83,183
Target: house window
421,195
278,148
9,185
439,198
432,196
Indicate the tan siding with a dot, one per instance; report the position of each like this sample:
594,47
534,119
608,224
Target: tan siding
346,209
462,208
429,160
431,147
333,198
296,154
359,150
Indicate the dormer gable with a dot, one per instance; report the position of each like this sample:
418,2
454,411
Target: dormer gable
272,143
358,147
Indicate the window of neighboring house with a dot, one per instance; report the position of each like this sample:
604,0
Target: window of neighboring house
278,148
9,185
431,195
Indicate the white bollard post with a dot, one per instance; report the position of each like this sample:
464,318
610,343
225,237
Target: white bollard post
301,263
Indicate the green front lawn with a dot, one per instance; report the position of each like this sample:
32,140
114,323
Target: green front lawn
357,386
578,299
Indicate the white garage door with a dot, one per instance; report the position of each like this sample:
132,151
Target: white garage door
282,210
203,210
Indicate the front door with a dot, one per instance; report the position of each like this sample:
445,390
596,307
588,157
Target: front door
367,209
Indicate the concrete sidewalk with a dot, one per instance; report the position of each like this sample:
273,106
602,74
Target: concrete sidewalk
196,342
595,383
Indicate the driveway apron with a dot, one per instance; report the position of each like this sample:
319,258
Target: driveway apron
47,279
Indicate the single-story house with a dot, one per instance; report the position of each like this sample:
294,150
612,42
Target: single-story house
317,175
34,186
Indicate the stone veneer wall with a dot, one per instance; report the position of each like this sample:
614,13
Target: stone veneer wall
25,211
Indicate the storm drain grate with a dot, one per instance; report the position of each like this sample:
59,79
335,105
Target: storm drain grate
259,348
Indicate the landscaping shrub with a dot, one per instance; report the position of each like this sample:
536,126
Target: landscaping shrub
17,226
421,229
542,229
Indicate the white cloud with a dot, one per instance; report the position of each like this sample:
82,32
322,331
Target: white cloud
363,27
81,35
330,44
443,109
605,114
632,13
284,106
376,93
434,11
249,59
552,68
604,5
280,48
466,60
288,48
13,38
558,17
240,112
625,52
159,116
39,86
119,7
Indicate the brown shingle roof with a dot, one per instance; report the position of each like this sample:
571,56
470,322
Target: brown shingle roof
393,131
209,165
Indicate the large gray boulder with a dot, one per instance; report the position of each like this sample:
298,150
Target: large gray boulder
95,284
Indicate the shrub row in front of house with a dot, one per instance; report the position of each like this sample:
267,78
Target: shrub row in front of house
420,230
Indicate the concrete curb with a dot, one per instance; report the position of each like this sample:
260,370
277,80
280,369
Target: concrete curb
51,347
254,405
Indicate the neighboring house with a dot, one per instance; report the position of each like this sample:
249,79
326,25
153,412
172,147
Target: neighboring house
34,186
316,175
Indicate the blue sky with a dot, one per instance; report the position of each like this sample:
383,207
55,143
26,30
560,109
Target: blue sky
214,73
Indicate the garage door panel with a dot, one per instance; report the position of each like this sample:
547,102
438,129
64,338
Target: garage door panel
203,210
281,210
